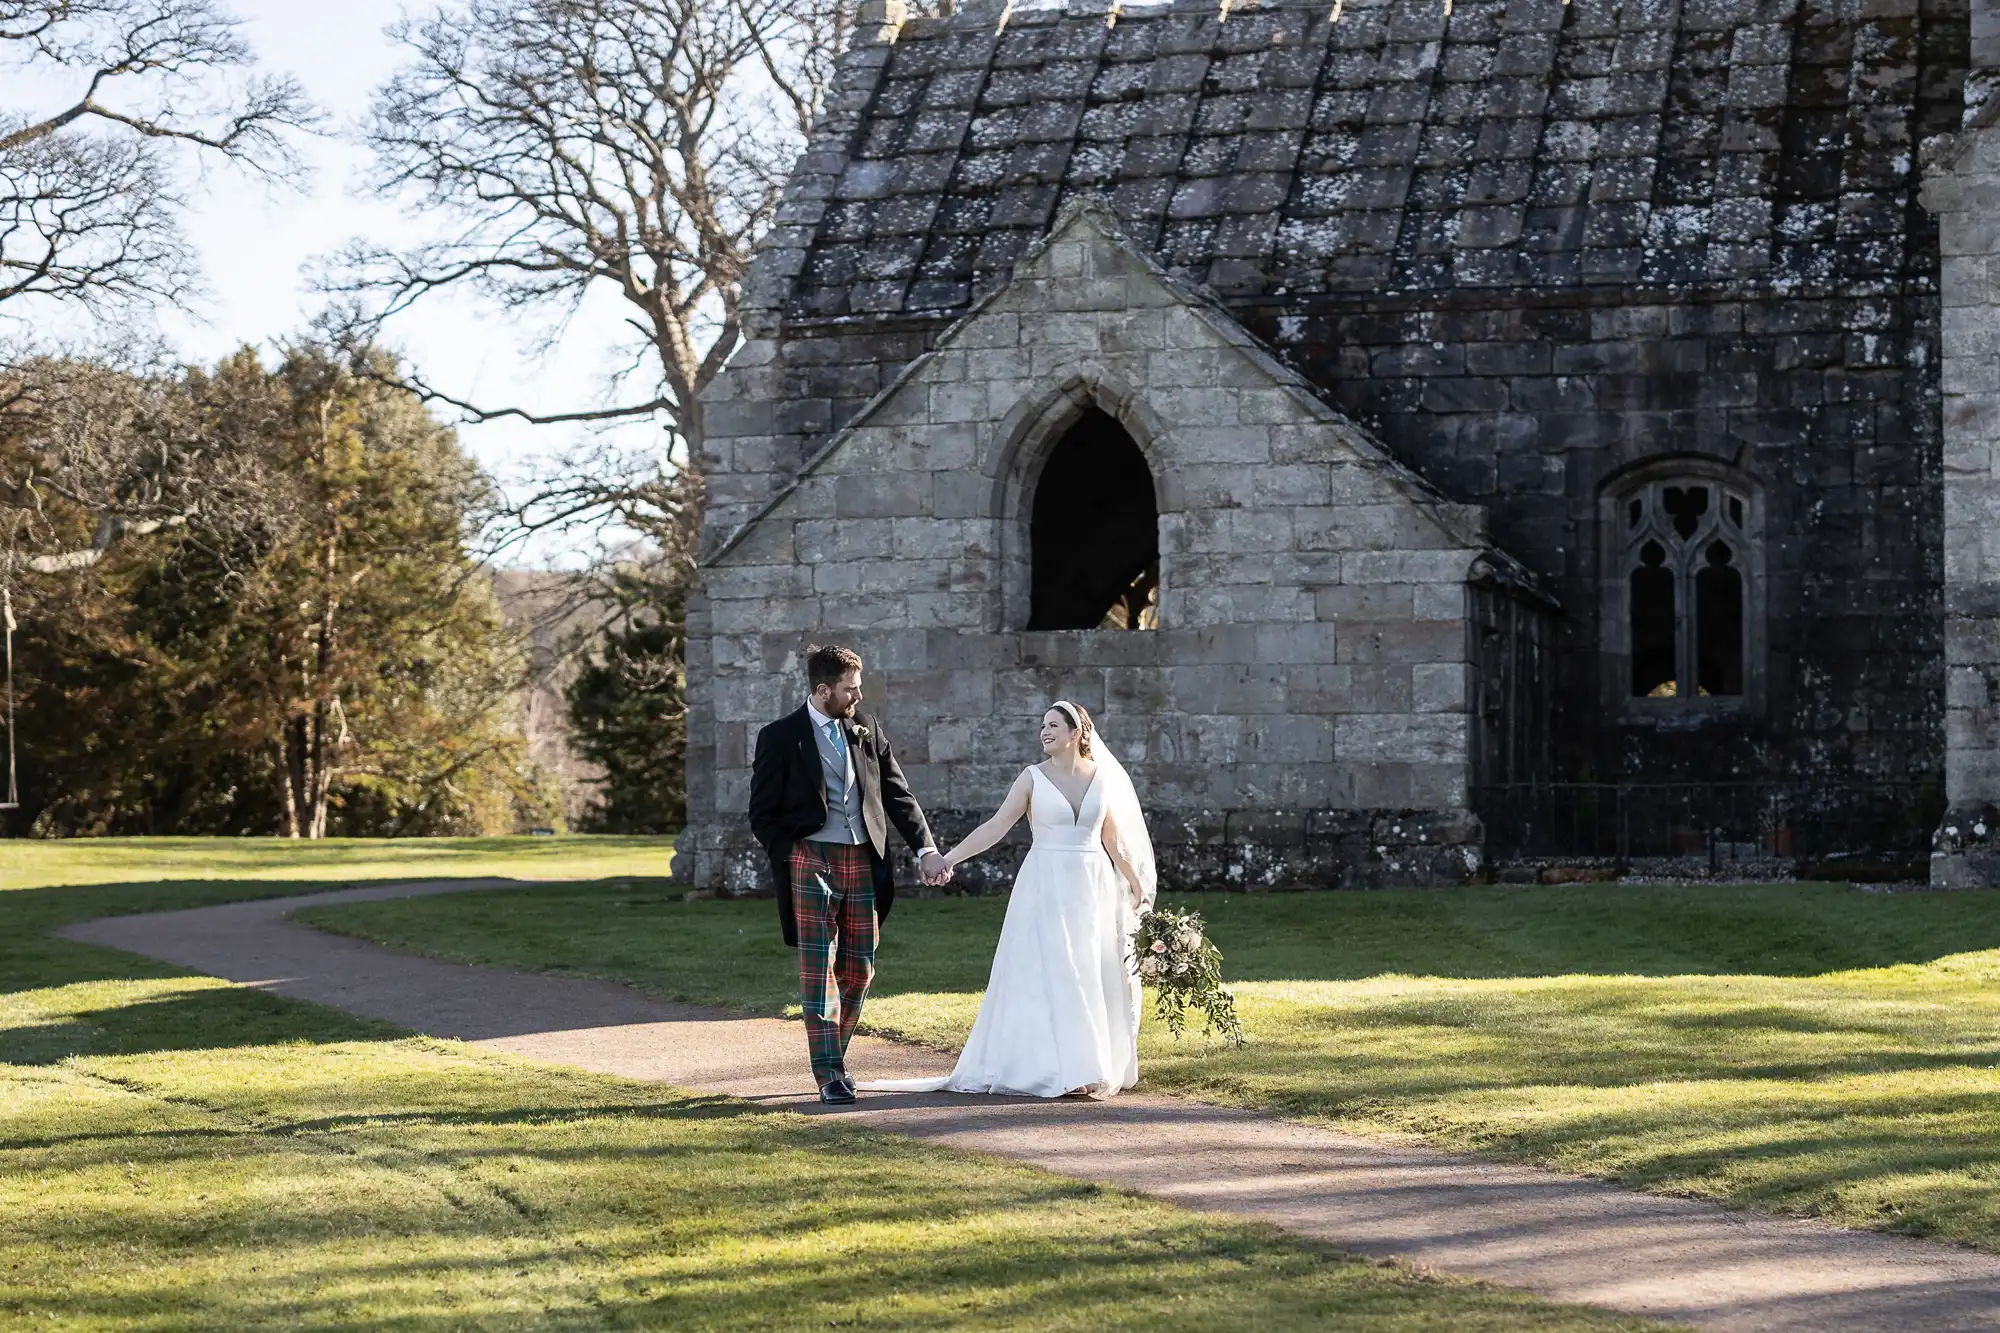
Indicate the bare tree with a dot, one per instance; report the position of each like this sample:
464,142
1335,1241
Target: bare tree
633,146
90,187
636,145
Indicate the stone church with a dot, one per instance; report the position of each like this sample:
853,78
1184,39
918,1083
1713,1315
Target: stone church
1414,428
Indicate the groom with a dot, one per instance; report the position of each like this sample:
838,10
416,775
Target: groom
824,789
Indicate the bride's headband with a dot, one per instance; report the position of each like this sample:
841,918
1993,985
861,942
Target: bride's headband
1068,710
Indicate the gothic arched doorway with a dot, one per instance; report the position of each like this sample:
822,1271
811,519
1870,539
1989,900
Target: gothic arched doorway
1095,534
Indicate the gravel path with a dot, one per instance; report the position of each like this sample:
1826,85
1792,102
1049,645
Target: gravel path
1568,1239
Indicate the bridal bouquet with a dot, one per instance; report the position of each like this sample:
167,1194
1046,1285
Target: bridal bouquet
1172,955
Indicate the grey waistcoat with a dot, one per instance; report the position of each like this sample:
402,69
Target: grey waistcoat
843,793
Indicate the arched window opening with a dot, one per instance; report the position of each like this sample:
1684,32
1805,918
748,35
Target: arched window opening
1685,555
1718,591
1095,533
1655,641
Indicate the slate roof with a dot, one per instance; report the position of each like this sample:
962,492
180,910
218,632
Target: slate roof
1279,154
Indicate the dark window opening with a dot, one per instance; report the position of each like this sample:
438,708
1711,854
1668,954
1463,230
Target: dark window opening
1655,643
1685,505
1095,532
1718,596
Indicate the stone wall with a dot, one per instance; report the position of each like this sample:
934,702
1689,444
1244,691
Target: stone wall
1964,191
1301,714
1535,403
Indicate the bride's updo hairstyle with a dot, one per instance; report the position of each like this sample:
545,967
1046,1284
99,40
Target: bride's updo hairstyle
1079,721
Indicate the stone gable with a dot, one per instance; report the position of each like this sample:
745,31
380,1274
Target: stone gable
1312,653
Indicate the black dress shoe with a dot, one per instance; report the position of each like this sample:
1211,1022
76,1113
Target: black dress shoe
835,1092
846,1078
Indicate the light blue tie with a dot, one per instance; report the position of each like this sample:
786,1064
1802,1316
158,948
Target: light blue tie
839,749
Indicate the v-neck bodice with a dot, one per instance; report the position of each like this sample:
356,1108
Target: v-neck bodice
1059,825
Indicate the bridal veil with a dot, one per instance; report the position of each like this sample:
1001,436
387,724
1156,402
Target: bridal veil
1134,843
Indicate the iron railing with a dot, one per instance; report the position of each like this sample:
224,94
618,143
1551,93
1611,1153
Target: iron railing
1840,830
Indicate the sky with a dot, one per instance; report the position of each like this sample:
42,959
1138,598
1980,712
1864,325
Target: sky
255,242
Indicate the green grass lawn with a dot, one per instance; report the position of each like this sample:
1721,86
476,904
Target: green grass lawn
1809,1049
180,1153
28,862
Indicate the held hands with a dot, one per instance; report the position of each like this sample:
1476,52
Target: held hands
934,869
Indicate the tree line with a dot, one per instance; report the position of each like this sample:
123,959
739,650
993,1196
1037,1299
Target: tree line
304,645
251,595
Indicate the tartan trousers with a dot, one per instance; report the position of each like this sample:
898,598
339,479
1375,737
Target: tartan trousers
833,900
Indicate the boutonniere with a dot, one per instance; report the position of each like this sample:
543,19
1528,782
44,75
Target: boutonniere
863,734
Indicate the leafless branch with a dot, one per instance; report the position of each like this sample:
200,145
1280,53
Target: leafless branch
634,144
89,202
91,454
472,412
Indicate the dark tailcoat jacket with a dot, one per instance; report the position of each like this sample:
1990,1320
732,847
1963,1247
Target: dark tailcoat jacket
788,801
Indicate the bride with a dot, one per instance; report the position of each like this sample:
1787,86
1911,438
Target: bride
1061,1011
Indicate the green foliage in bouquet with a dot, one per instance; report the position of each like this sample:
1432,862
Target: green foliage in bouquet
1174,957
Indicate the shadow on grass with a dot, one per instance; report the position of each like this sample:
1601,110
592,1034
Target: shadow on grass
203,1017
617,1225
701,1106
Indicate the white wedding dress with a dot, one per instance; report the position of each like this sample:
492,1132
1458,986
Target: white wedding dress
1061,1010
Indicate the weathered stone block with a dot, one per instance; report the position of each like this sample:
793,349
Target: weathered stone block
1244,603
759,581
881,495
1439,603
1288,643
1385,783
1407,566
1440,687
1289,740
1369,527
1408,738
756,616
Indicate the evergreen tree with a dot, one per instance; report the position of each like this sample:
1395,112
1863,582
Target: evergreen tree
629,712
314,650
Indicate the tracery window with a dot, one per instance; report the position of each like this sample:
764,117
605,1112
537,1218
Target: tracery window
1687,561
